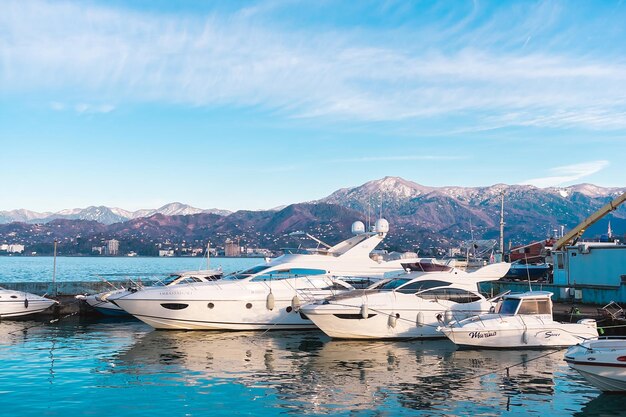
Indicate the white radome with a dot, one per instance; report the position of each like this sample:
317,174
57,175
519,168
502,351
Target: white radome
358,228
381,226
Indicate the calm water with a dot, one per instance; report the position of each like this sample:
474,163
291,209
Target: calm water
100,368
39,268
123,368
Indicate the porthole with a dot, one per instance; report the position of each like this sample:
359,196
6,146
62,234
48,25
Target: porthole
14,296
289,309
249,305
397,315
174,306
210,305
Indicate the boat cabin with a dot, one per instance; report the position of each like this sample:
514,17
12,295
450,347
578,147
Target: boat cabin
528,303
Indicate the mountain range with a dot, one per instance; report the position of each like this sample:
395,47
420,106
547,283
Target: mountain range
102,214
420,217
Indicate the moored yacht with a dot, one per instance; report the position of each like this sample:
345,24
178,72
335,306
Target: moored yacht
410,305
19,303
267,296
520,320
100,303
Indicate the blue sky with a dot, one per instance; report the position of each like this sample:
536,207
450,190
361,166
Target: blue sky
248,105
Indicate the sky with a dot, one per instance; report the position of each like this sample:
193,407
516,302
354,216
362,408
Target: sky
252,105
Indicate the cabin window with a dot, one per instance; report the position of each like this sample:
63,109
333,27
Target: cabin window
462,296
559,260
352,316
421,285
174,306
434,294
509,306
535,307
623,279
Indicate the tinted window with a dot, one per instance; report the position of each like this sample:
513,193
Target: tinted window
509,306
437,293
462,296
394,283
416,286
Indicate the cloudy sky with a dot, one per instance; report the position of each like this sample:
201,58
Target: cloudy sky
257,104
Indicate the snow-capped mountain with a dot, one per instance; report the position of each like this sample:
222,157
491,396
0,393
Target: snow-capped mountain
102,214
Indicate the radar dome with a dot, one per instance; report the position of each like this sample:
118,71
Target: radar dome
358,228
381,226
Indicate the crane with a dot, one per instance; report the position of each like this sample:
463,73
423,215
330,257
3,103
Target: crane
574,234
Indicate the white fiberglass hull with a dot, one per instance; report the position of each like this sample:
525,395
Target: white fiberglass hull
389,316
514,332
17,303
601,362
226,305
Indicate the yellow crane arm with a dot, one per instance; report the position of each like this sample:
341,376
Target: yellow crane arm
577,231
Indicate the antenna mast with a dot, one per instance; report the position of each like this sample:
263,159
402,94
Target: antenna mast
502,223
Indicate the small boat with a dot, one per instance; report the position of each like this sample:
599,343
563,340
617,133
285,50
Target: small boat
100,303
602,362
411,305
520,320
19,303
522,270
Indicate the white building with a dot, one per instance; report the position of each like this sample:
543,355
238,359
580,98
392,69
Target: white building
113,247
15,248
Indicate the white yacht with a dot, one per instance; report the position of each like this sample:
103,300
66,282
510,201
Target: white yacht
411,305
267,296
520,320
19,303
100,303
602,362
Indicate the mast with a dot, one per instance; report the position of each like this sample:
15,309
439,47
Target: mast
54,269
208,256
502,222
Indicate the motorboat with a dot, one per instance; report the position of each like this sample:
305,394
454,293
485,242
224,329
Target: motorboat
269,295
411,305
602,362
100,303
19,303
520,320
522,270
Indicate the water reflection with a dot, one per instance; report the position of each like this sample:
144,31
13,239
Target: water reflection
276,372
309,369
605,405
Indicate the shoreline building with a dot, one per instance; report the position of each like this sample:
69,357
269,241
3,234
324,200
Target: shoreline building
112,247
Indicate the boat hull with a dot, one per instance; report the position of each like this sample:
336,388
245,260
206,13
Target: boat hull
601,362
496,333
17,308
231,306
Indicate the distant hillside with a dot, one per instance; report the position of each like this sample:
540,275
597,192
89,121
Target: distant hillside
102,214
421,217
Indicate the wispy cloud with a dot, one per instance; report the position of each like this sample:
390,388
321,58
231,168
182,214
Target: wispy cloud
566,174
82,108
399,158
116,55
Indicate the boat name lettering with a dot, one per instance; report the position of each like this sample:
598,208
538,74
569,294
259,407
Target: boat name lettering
481,335
550,334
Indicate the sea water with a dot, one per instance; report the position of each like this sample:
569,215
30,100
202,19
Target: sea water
91,268
105,367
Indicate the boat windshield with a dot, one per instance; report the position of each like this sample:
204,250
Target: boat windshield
288,273
248,272
509,306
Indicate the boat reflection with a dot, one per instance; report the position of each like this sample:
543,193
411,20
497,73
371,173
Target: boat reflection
310,369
